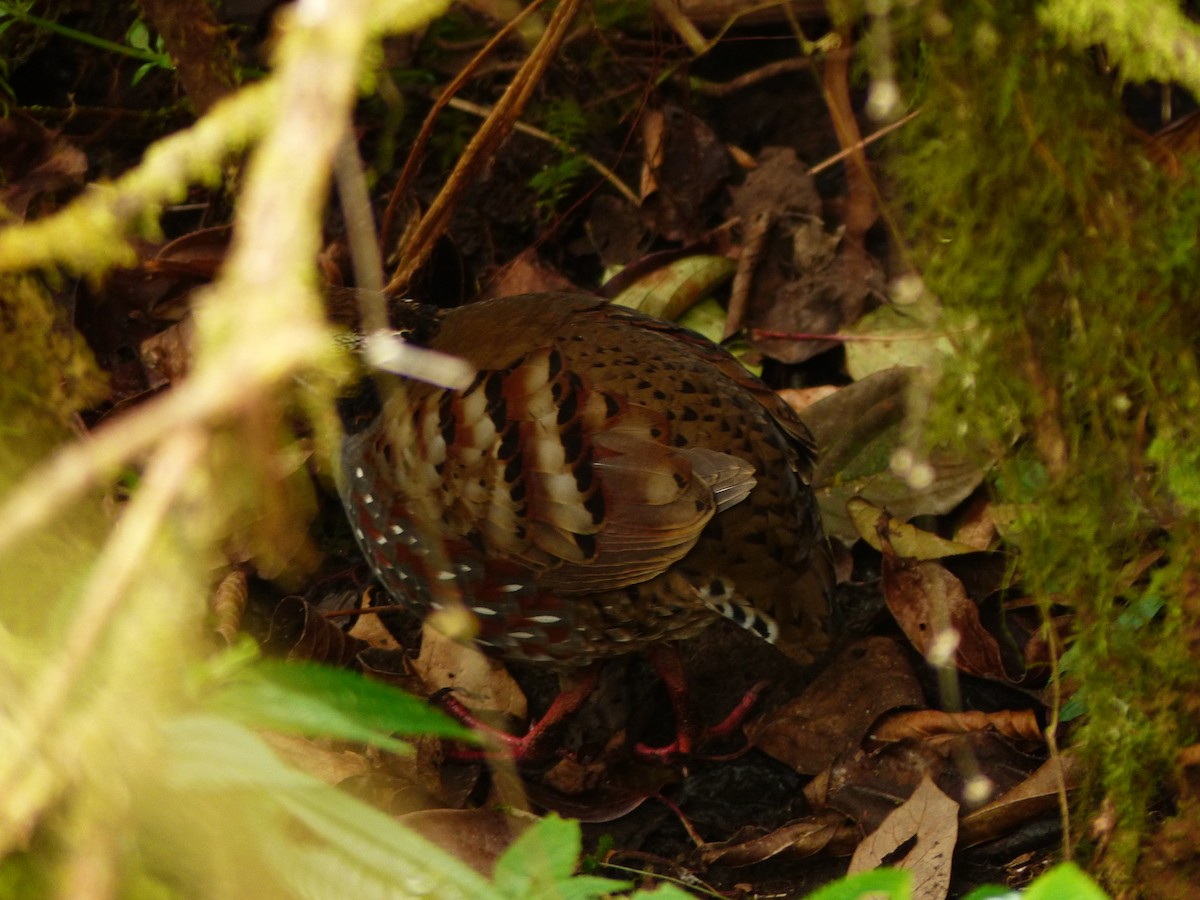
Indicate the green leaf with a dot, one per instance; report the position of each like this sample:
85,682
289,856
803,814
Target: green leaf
895,883
1140,612
706,317
1075,707
229,818
906,540
138,35
859,430
1066,881
586,887
141,73
669,291
542,860
663,891
993,892
894,335
308,699
543,854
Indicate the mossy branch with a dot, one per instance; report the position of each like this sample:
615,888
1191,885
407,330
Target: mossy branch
260,325
1150,40
91,235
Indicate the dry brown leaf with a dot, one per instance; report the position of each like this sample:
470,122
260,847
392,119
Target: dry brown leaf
1021,725
976,527
1035,796
932,818
527,273
480,682
684,164
613,799
827,833
298,631
476,836
167,355
869,786
802,398
938,617
318,757
370,628
869,678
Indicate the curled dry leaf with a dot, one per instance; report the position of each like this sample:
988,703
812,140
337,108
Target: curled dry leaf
932,818
828,833
229,603
906,540
933,609
1037,795
1018,724
869,678
977,528
298,631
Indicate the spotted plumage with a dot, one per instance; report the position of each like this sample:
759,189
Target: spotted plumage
607,481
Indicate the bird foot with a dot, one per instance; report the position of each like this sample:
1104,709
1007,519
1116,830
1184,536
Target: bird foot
529,748
685,739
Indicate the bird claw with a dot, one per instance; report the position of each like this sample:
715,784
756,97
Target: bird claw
684,739
528,748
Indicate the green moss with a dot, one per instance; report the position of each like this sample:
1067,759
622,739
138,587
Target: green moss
1068,264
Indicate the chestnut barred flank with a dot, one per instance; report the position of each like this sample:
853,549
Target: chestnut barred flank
606,481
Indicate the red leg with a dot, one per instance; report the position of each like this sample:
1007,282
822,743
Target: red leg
575,690
666,661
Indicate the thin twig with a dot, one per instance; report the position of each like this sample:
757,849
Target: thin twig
360,234
606,173
865,142
418,244
751,78
416,153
